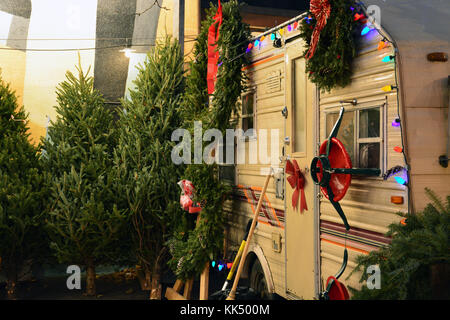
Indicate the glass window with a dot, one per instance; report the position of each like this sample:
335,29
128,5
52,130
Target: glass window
346,132
369,123
364,147
299,93
248,114
369,155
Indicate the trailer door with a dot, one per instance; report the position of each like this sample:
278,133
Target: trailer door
300,227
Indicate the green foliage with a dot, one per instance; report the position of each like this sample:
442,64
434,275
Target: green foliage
83,221
331,64
405,264
147,177
21,189
192,249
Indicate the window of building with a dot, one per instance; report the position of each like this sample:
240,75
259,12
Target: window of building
248,114
362,135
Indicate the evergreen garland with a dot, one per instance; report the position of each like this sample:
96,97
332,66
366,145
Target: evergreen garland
419,243
192,249
331,65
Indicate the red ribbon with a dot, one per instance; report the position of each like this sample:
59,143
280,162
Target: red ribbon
321,9
297,181
213,53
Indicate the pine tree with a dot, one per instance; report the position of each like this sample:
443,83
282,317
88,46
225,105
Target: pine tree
143,157
84,223
21,191
419,243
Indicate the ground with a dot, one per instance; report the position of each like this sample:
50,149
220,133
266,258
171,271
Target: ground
113,286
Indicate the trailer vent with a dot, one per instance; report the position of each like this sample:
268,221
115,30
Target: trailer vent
273,81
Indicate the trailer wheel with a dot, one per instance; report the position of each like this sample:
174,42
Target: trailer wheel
258,281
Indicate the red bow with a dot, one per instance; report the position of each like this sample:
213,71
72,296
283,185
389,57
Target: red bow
297,181
321,10
213,54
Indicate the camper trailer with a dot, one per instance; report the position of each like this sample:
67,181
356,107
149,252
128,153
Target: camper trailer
395,115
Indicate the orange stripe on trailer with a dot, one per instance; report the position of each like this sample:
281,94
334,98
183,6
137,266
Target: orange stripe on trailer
348,247
263,61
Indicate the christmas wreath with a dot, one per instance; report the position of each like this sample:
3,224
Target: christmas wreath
330,33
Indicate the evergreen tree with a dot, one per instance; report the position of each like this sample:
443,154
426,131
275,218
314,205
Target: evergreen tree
143,157
192,249
418,244
21,191
83,220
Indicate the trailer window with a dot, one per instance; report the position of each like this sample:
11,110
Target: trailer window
248,111
361,134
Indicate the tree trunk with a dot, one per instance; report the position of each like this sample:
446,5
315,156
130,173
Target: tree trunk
155,293
90,280
11,289
145,279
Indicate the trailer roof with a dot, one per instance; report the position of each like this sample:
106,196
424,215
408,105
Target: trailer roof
415,20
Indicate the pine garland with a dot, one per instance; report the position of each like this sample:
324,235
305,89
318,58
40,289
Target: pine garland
331,65
192,249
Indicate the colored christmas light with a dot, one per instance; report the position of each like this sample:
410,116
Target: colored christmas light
358,16
256,43
388,88
220,267
396,122
366,30
382,45
400,180
295,25
388,58
273,36
281,31
398,149
229,265
213,264
289,28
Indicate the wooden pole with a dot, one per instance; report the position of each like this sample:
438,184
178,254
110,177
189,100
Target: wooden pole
232,294
204,283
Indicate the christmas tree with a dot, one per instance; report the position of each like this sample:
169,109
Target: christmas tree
21,192
193,248
84,222
142,158
417,256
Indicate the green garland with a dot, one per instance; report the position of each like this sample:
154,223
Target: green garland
192,249
331,65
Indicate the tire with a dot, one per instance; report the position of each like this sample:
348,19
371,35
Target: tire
258,281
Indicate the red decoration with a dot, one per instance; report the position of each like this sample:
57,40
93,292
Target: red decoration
187,197
339,158
213,53
358,17
297,181
321,9
337,291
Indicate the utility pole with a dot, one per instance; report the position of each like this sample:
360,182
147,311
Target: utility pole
178,22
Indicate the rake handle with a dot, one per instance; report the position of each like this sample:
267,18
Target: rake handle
232,293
